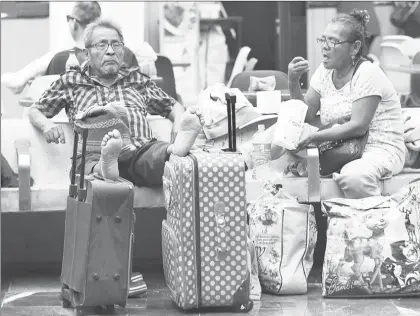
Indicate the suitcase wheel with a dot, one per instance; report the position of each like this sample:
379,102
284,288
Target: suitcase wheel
110,308
64,303
245,308
79,311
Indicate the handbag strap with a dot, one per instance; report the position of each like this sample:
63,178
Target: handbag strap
411,11
359,62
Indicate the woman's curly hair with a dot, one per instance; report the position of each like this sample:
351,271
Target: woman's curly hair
356,23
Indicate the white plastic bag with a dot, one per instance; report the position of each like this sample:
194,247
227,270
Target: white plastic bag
290,124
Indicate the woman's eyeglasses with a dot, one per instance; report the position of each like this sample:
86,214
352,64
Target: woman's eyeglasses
330,42
103,46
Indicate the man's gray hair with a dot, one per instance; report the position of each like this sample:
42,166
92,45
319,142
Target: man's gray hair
101,23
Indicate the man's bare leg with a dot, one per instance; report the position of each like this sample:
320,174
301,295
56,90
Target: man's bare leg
192,122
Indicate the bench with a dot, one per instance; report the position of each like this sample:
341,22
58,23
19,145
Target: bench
48,165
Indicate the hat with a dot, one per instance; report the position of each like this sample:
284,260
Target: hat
100,120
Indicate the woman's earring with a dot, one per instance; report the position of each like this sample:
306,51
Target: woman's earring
352,59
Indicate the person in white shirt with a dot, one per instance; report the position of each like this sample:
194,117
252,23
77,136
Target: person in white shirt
83,13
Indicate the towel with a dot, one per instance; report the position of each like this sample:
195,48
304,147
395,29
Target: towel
215,112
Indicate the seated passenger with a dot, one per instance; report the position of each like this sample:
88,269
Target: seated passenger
102,90
367,95
102,93
54,63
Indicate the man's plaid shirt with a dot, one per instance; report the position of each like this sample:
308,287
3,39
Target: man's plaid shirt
76,90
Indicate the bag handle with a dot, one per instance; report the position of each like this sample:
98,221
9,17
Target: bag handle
74,190
231,113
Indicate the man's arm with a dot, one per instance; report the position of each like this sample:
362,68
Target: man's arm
52,101
158,102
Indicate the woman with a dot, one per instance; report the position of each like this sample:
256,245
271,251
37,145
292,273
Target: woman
367,95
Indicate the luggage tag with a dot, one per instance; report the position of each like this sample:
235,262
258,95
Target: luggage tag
221,230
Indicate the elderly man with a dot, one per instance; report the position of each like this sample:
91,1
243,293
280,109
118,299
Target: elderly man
101,93
53,63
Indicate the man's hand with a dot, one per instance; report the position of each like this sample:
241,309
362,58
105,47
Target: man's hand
297,67
14,82
54,133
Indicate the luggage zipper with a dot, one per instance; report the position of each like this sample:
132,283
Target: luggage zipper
197,228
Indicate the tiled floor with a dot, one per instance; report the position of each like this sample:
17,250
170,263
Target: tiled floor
38,296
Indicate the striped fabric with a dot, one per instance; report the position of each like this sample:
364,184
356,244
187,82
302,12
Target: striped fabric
77,90
137,285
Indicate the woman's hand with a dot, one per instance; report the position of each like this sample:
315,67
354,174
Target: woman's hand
297,67
304,143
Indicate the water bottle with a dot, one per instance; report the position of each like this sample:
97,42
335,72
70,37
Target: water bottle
72,60
260,155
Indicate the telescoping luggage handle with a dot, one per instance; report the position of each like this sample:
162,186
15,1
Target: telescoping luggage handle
231,114
74,190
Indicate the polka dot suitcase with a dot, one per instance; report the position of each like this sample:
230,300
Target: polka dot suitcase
204,236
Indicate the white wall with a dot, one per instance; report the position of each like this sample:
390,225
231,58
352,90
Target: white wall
317,19
129,15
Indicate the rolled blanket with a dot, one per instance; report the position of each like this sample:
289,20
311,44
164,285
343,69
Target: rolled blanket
412,142
101,120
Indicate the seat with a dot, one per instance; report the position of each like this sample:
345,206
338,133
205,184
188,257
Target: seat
392,54
241,80
35,90
415,85
39,85
397,39
411,47
49,166
165,69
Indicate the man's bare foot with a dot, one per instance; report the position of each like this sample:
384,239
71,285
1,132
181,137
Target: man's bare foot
110,150
191,124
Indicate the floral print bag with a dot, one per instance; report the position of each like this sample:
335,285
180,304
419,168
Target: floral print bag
284,234
373,245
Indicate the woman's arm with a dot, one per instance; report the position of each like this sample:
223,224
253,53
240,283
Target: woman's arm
313,100
362,114
363,111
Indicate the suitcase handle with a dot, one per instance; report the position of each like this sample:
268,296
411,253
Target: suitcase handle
74,190
231,113
221,229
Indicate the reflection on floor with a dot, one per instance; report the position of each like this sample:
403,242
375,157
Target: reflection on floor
38,296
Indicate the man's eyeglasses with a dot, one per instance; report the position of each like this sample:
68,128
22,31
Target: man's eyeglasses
103,46
330,42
